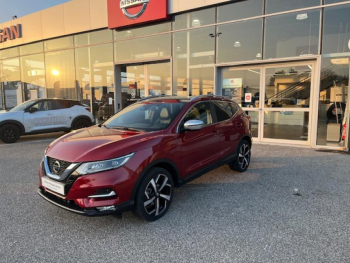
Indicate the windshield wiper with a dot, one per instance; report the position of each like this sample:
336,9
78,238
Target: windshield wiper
127,129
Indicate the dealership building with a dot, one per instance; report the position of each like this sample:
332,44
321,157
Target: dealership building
285,62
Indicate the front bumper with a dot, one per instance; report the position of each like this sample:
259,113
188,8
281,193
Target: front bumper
72,207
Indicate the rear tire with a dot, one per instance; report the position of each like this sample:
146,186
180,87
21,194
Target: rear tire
81,123
243,157
10,133
154,195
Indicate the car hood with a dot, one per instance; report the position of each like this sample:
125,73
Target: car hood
99,143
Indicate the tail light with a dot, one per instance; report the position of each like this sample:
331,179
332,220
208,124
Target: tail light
88,109
344,132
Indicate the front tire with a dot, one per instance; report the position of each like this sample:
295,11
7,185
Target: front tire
154,195
243,157
10,133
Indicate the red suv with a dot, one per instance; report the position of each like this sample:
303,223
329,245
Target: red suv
136,158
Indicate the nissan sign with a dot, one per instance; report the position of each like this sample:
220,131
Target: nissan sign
125,13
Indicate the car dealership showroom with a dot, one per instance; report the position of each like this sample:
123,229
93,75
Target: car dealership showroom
286,63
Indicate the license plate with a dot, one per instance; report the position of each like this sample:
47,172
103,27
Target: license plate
52,185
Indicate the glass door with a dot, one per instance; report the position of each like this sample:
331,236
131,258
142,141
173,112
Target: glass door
142,80
287,102
276,96
243,86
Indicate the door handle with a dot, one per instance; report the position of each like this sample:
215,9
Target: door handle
239,124
49,114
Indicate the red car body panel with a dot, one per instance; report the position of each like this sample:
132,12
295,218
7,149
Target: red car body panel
185,152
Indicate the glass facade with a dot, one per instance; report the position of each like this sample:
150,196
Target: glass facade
194,49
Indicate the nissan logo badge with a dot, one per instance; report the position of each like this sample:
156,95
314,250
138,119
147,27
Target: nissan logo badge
56,167
125,4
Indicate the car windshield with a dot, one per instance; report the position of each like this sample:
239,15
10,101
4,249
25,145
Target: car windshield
23,106
146,116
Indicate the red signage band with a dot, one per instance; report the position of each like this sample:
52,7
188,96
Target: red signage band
10,33
124,13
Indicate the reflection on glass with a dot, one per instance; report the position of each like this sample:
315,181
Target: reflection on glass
193,61
240,41
201,81
143,48
240,10
254,115
194,19
336,30
11,82
31,48
92,38
159,79
334,90
291,35
274,6
142,31
133,84
102,79
9,53
286,125
60,75
288,87
33,76
242,86
82,66
58,43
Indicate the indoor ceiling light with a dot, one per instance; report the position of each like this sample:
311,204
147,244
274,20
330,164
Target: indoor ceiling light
237,44
302,16
340,61
349,44
196,22
128,33
258,55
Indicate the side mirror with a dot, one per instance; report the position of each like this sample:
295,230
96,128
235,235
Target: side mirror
32,110
193,125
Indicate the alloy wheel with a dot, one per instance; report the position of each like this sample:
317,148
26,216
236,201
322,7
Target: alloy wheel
9,133
157,195
244,156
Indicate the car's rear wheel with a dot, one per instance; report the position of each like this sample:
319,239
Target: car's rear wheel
10,133
154,194
81,123
243,157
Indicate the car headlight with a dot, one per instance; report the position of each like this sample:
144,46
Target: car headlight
95,167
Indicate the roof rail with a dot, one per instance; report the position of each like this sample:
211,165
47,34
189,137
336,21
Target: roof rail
208,96
156,96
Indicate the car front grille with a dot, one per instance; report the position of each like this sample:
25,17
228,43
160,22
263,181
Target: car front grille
63,165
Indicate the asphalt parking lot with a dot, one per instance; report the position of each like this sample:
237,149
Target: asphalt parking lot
221,217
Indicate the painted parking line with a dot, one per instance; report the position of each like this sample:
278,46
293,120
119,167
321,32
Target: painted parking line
14,144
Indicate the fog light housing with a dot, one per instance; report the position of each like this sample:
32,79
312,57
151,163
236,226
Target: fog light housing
106,208
103,193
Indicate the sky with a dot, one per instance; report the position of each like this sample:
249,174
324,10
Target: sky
9,8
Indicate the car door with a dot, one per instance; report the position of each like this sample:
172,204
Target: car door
40,118
63,112
229,126
199,149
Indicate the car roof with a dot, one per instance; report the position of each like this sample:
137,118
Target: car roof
54,99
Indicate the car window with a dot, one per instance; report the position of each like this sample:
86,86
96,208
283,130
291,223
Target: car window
63,104
200,111
234,107
146,116
43,105
223,110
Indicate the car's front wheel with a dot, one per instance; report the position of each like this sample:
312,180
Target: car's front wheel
154,194
10,133
243,157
